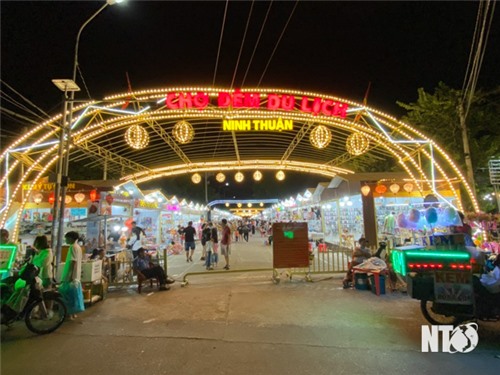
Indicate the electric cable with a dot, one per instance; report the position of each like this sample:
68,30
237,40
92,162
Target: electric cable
242,44
278,42
257,43
220,42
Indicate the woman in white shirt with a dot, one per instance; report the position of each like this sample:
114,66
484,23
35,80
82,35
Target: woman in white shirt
134,242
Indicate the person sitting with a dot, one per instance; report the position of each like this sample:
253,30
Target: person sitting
142,264
360,254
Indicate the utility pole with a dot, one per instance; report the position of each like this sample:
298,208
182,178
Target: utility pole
465,139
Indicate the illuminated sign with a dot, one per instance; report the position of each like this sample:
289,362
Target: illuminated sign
313,105
139,203
7,256
275,125
48,186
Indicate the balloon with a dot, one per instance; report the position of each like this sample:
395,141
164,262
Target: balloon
431,215
401,220
128,223
450,216
414,216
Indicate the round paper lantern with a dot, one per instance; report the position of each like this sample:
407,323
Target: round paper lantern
94,195
227,204
431,215
408,187
220,177
137,137
183,132
109,199
79,197
320,136
239,205
52,198
381,189
38,198
249,204
257,175
196,178
68,199
239,177
357,144
394,188
280,175
365,190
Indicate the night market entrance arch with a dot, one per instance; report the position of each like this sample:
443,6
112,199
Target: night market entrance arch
151,134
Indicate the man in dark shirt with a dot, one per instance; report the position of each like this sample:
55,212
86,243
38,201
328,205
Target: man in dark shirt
142,263
189,233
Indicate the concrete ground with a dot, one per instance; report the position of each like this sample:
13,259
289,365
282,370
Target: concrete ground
243,324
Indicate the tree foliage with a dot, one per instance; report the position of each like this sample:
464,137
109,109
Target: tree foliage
436,115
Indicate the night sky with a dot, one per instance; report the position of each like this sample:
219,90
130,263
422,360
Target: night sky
329,47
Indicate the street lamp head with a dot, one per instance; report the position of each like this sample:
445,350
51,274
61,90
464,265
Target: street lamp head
113,2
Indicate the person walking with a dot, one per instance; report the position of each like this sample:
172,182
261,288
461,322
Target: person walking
207,235
215,246
189,244
43,260
71,287
225,243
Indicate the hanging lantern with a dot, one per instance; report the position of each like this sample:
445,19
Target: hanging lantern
249,204
68,199
365,190
280,175
220,177
94,195
196,178
394,188
52,198
381,189
357,144
239,177
320,136
137,137
257,175
239,205
38,198
227,204
79,197
408,187
183,132
109,199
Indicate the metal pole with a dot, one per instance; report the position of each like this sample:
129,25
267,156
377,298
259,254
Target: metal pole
66,137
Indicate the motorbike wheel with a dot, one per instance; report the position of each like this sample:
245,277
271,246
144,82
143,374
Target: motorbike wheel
434,318
41,320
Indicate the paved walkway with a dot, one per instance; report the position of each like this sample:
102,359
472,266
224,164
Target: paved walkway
244,324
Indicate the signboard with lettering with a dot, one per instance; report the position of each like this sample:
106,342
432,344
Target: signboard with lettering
453,287
283,102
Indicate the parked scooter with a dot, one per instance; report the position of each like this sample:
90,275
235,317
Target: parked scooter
22,298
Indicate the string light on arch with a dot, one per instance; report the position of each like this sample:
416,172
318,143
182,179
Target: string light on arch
183,132
357,144
137,137
320,137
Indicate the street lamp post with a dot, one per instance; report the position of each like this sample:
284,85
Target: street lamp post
66,86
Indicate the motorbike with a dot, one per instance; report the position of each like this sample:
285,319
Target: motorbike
22,297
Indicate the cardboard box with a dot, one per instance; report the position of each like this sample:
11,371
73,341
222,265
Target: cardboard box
91,271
